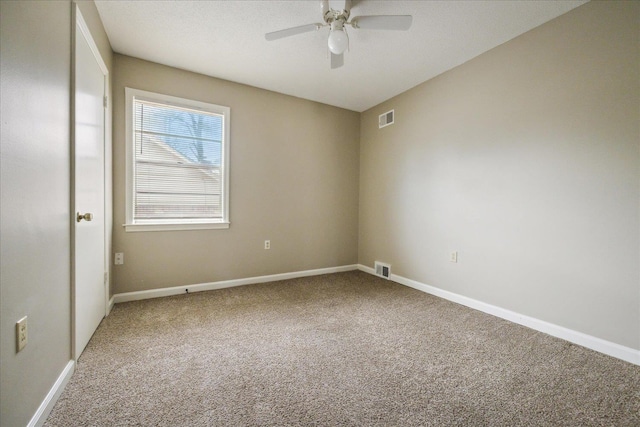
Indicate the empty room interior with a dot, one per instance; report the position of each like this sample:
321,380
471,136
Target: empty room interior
327,213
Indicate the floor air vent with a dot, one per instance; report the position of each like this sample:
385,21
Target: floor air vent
383,270
385,119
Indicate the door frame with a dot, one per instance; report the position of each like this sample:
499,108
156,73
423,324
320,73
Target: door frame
79,24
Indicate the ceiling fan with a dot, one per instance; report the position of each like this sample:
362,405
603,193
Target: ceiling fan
336,20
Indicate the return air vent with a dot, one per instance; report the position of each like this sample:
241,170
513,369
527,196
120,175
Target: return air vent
382,269
385,119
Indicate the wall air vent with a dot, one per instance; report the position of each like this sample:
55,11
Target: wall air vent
382,269
385,119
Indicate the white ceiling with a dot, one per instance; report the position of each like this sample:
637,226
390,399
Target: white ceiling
225,39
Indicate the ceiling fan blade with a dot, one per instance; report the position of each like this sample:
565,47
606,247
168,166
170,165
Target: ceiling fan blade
383,22
275,35
337,61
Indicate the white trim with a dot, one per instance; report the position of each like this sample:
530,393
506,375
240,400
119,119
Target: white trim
175,227
607,347
367,269
130,225
50,400
110,305
107,191
82,25
177,290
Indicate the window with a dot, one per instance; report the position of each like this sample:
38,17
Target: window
177,163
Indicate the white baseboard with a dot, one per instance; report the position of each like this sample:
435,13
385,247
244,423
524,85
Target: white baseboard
176,290
366,269
607,347
50,400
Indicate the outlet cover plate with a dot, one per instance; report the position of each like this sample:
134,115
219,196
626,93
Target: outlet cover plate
21,334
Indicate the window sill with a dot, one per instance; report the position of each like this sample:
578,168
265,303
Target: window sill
175,227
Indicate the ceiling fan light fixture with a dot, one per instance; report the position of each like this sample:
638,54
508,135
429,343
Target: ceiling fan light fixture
337,19
338,39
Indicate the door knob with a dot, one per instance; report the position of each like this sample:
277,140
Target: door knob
87,217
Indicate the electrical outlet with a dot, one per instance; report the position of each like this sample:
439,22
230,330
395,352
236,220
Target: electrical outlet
21,333
119,258
267,244
453,256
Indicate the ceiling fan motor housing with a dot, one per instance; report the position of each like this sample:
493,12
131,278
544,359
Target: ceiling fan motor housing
330,15
336,19
336,15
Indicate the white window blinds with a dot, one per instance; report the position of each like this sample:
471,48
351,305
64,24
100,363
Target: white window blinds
178,164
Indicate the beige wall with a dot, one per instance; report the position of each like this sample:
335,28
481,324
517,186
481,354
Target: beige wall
294,181
34,167
35,277
526,161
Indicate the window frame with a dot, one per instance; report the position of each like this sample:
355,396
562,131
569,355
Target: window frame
173,224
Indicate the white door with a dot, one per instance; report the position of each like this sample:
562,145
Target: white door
89,249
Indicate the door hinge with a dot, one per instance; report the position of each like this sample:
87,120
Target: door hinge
105,101
106,278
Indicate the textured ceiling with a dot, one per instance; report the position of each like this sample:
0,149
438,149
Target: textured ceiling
225,39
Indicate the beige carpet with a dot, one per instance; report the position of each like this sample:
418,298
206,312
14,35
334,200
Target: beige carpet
346,349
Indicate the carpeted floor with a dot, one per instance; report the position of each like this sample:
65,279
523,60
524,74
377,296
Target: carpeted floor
345,349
